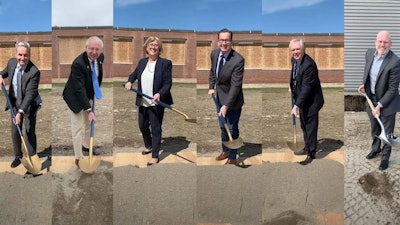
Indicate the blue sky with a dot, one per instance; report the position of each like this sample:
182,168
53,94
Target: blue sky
268,16
303,16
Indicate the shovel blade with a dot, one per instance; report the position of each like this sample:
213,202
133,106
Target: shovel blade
191,120
234,144
32,164
88,165
295,146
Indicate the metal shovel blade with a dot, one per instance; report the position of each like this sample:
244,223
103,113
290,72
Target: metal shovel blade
32,164
234,144
89,164
295,145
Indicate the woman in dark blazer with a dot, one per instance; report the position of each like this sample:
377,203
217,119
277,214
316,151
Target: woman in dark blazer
154,76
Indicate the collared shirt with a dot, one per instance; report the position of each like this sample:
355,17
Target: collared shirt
147,83
374,71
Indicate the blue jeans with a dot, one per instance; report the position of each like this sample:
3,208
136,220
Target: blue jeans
232,117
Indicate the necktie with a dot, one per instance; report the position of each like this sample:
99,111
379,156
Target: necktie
221,64
294,70
19,88
96,87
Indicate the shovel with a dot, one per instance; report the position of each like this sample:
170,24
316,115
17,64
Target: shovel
295,145
31,163
90,164
165,105
383,136
232,143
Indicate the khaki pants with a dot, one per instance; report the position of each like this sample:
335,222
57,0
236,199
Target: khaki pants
80,130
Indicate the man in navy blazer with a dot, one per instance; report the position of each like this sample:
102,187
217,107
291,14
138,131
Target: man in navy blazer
307,95
30,99
380,83
79,94
225,81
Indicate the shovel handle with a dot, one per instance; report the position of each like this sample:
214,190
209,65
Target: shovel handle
163,104
221,118
371,105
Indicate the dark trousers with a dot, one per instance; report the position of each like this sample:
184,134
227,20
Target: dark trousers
388,124
150,124
232,117
309,125
29,119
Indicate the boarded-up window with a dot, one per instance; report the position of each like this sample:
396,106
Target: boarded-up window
251,52
203,51
6,52
175,51
123,50
40,54
70,48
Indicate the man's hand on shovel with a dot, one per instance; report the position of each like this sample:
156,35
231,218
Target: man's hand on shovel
295,111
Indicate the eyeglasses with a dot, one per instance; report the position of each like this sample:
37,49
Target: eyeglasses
153,45
224,41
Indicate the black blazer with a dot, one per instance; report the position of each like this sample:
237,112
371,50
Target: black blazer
306,88
230,79
79,88
162,79
29,83
387,83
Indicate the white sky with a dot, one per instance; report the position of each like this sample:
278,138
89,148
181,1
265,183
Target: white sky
81,13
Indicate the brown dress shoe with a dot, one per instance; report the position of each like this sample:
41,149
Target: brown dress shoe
231,161
222,156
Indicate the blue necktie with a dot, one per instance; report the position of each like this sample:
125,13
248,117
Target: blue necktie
221,64
96,87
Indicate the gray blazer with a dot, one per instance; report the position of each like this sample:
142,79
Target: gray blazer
387,84
230,79
29,82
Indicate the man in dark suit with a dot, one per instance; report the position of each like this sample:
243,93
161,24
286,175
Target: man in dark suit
380,83
225,80
79,93
307,95
24,97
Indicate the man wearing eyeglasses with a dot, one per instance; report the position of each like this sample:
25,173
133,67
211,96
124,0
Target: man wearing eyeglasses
24,97
225,82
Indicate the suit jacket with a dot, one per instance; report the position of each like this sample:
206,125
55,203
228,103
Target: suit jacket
306,88
78,90
162,79
29,86
387,83
230,79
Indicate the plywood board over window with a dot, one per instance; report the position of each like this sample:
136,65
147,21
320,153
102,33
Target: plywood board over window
251,53
276,57
6,52
41,55
123,50
70,48
203,51
175,51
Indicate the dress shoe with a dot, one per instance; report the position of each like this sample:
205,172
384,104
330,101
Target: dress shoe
146,151
150,163
77,163
372,154
95,152
301,152
16,162
222,156
308,160
231,161
384,164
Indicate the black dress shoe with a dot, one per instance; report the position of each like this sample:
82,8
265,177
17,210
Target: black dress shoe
150,164
146,151
372,154
384,164
16,162
301,152
95,152
308,160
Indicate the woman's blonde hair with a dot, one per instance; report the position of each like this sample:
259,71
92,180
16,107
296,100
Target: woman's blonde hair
151,39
